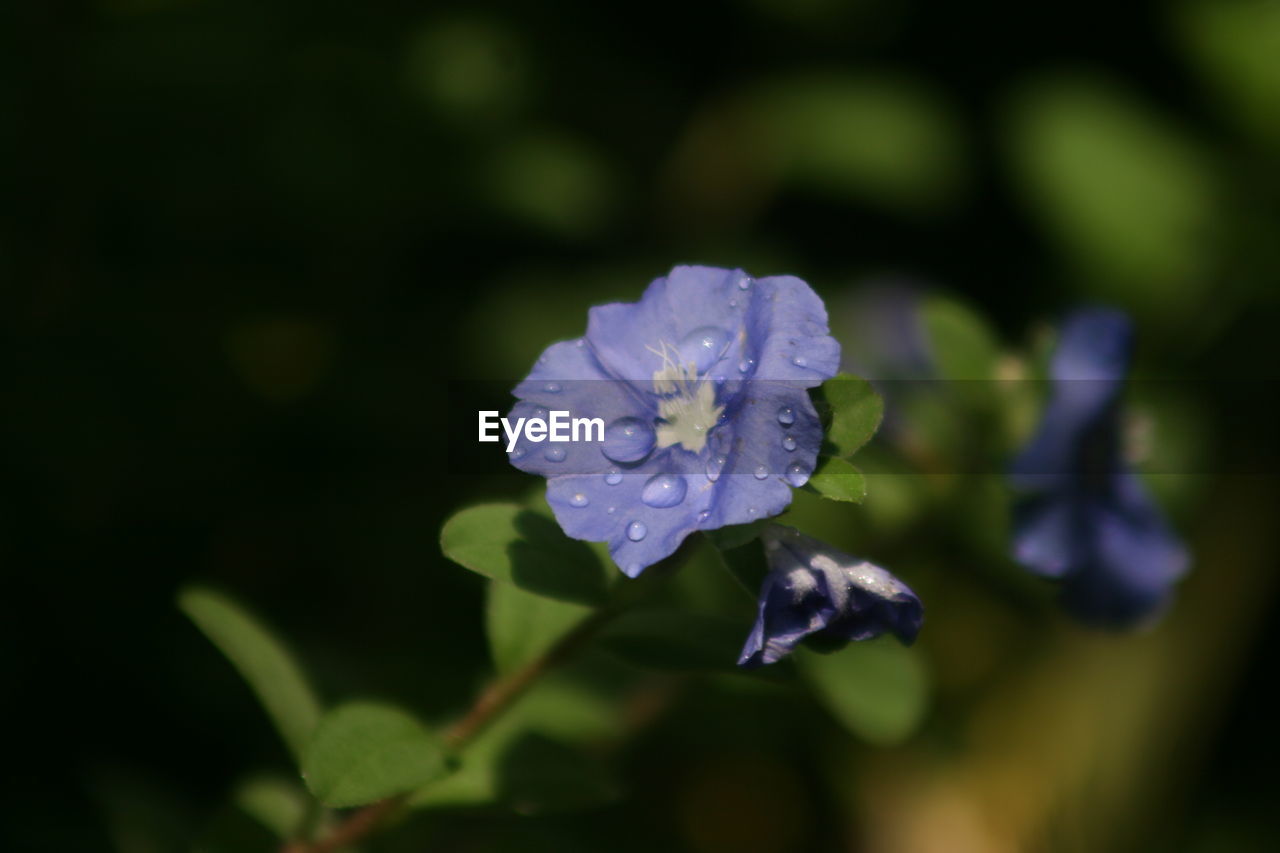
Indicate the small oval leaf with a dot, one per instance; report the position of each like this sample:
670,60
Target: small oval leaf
838,480
260,659
363,752
854,410
520,546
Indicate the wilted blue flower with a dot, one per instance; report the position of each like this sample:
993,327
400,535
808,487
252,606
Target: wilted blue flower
814,590
1084,517
702,387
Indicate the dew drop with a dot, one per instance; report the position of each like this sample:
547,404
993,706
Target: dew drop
744,283
752,512
552,387
580,343
554,454
578,500
636,531
797,475
628,440
733,303
611,510
786,416
761,473
799,361
745,365
663,490
519,452
789,443
715,465
704,346
613,477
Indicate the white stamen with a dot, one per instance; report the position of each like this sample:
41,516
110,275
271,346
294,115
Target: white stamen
686,401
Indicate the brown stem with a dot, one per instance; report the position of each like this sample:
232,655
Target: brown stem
500,695
351,830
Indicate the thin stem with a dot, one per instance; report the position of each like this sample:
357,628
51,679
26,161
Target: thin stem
351,830
492,702
500,695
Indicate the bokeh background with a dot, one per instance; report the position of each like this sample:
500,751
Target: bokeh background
253,253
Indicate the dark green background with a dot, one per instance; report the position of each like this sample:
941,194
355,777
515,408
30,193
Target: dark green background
249,248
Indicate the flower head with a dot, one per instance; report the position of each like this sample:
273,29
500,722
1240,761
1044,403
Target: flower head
701,386
1084,517
814,590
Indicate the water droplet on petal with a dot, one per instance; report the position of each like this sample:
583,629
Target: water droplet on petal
704,346
761,473
789,443
752,512
704,515
628,440
733,303
580,343
797,475
744,283
578,500
715,465
663,490
518,453
786,416
636,531
799,361
552,387
613,477
745,365
554,454
611,510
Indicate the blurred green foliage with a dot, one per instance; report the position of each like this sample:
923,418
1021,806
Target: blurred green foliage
250,248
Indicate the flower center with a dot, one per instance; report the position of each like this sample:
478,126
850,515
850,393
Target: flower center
687,407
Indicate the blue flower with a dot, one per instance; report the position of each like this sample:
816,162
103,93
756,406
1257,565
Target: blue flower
814,590
701,386
1084,517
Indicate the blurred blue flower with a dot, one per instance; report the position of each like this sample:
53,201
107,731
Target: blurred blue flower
1084,517
702,388
814,590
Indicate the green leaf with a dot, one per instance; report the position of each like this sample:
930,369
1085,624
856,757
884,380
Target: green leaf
280,805
1130,197
363,752
675,639
885,139
838,480
877,688
1235,45
523,626
961,343
261,660
520,546
854,410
